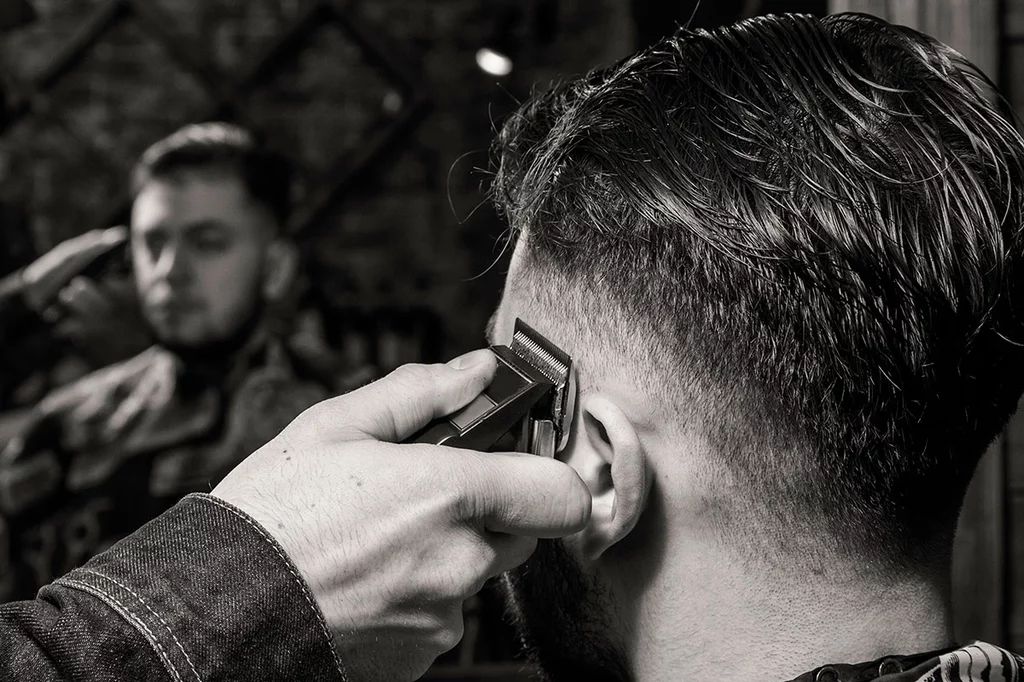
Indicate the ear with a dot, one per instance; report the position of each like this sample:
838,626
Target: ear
280,269
608,455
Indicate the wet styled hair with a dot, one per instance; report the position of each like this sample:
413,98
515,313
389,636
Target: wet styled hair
809,229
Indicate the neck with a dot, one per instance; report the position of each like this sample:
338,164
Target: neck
711,617
219,364
222,353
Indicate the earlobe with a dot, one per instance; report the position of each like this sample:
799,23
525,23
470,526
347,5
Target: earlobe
282,267
609,456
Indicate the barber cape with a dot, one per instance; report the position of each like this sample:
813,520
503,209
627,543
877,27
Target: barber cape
976,662
107,453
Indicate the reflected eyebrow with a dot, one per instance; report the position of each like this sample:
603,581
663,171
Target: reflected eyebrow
205,225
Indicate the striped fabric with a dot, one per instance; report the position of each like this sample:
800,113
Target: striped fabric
977,661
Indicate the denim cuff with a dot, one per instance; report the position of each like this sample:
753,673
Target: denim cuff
215,596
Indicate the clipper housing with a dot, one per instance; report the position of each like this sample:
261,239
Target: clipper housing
532,395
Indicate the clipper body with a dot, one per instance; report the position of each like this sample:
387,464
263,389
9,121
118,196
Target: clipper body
532,395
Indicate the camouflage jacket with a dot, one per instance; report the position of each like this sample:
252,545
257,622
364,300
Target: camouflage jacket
103,455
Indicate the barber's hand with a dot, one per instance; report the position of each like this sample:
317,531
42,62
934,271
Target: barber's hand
55,268
392,539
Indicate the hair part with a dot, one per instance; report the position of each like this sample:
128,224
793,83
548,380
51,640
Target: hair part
820,220
222,147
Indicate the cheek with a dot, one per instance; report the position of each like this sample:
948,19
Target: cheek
143,271
230,280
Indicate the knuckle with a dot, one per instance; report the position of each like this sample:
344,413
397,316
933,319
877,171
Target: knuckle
522,549
450,630
573,496
416,377
309,420
513,552
477,568
458,503
460,494
413,374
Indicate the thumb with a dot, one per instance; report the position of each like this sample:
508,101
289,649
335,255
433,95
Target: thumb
406,400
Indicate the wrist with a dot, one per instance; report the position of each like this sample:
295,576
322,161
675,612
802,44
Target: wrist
216,594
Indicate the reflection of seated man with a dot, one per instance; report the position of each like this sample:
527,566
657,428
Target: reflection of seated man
108,452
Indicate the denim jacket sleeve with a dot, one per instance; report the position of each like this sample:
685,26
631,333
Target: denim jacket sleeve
200,593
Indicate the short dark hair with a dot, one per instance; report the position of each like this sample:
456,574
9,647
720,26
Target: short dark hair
819,221
266,174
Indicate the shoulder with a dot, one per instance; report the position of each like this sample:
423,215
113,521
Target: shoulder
266,400
107,384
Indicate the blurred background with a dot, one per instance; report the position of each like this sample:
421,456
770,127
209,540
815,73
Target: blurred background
388,108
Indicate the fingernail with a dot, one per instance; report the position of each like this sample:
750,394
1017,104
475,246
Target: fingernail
471,360
115,234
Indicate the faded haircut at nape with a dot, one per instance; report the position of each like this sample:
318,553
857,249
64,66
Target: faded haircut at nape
821,218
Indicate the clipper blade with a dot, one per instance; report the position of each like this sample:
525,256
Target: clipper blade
554,364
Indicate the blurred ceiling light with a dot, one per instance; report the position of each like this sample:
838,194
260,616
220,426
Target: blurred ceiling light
498,53
392,102
520,29
493,62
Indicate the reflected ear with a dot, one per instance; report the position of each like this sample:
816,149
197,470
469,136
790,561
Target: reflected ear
608,455
280,270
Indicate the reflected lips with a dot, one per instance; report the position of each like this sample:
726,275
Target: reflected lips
175,307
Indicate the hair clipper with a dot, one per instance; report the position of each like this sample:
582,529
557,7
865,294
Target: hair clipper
532,396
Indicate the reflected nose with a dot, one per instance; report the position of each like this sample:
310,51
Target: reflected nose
173,266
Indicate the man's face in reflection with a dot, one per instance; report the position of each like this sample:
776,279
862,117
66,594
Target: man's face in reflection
199,245
559,610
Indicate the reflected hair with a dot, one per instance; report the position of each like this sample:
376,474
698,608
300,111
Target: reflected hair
266,174
817,223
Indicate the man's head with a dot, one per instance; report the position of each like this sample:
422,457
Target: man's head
786,258
207,233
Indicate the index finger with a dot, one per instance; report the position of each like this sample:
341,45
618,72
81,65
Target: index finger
527,495
48,274
91,245
69,258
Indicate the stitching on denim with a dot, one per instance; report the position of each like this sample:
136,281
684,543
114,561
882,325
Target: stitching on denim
288,564
125,613
155,615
